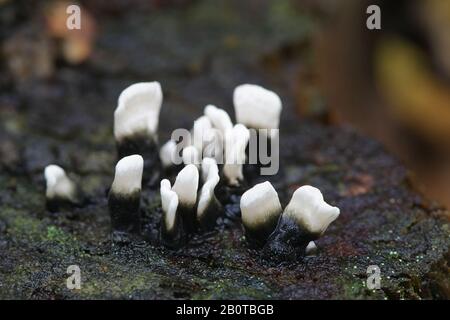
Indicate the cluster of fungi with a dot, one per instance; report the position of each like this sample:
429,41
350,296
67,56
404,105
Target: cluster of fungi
210,163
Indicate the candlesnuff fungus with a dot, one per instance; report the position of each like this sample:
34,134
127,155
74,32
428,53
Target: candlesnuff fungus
219,118
260,209
60,190
305,219
236,141
167,154
136,122
209,208
124,197
201,129
172,233
186,186
257,107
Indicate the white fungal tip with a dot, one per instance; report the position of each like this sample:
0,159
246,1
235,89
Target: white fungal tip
309,209
168,153
218,117
257,107
138,109
58,183
209,167
186,185
191,156
201,131
128,176
207,192
259,205
311,247
235,144
169,203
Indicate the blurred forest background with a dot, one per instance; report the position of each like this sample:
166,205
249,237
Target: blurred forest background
392,84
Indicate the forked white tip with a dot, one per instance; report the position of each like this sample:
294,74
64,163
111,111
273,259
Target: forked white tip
58,183
207,192
310,211
168,153
235,144
260,205
191,156
186,185
128,176
257,107
169,202
138,109
219,118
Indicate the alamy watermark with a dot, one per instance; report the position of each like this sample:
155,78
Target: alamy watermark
373,22
74,280
373,277
73,20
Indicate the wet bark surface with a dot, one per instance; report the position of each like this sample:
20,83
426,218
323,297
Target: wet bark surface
199,55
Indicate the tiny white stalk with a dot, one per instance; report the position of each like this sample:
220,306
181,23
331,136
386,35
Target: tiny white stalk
60,189
125,194
235,145
311,248
201,129
171,224
260,209
168,154
306,218
209,208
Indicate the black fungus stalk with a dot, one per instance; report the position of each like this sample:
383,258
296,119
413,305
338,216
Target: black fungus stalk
148,148
209,208
186,186
305,219
261,210
288,241
124,198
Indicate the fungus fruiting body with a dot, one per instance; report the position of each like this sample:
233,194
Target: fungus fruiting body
167,154
261,209
172,233
305,219
124,196
136,122
257,107
209,208
219,118
236,141
60,189
185,186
